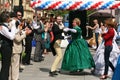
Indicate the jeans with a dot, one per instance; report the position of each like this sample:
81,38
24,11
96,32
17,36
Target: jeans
108,49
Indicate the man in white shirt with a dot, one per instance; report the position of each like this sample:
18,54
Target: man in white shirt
7,36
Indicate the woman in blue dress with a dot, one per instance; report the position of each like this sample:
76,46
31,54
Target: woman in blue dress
77,55
116,74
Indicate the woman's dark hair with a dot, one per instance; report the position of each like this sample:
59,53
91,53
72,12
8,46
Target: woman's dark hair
47,20
4,16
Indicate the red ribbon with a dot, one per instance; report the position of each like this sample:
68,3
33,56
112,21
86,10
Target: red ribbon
54,5
74,5
115,6
95,5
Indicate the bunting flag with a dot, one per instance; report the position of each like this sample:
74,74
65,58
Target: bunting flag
74,4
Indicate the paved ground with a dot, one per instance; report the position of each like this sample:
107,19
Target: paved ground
40,71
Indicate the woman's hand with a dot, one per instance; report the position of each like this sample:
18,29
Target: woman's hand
103,32
66,29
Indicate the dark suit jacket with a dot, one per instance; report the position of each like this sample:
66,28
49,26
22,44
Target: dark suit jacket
32,33
57,32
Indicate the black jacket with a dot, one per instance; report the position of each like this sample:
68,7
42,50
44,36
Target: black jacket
57,32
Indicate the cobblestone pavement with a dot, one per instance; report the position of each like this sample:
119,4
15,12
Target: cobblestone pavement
40,71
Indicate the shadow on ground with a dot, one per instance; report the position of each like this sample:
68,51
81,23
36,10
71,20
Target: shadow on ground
75,73
44,69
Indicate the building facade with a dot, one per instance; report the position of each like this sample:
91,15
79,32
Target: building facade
9,5
28,11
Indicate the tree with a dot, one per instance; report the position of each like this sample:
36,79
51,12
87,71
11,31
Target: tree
59,12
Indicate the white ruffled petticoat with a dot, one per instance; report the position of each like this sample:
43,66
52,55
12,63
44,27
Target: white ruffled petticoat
99,58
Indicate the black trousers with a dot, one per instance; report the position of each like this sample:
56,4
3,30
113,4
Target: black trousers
108,49
28,49
6,52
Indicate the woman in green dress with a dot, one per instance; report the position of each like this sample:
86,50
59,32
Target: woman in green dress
77,55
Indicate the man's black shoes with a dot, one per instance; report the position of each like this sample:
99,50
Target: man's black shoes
53,73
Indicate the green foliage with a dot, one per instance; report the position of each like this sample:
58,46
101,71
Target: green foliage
63,12
59,12
90,11
23,54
